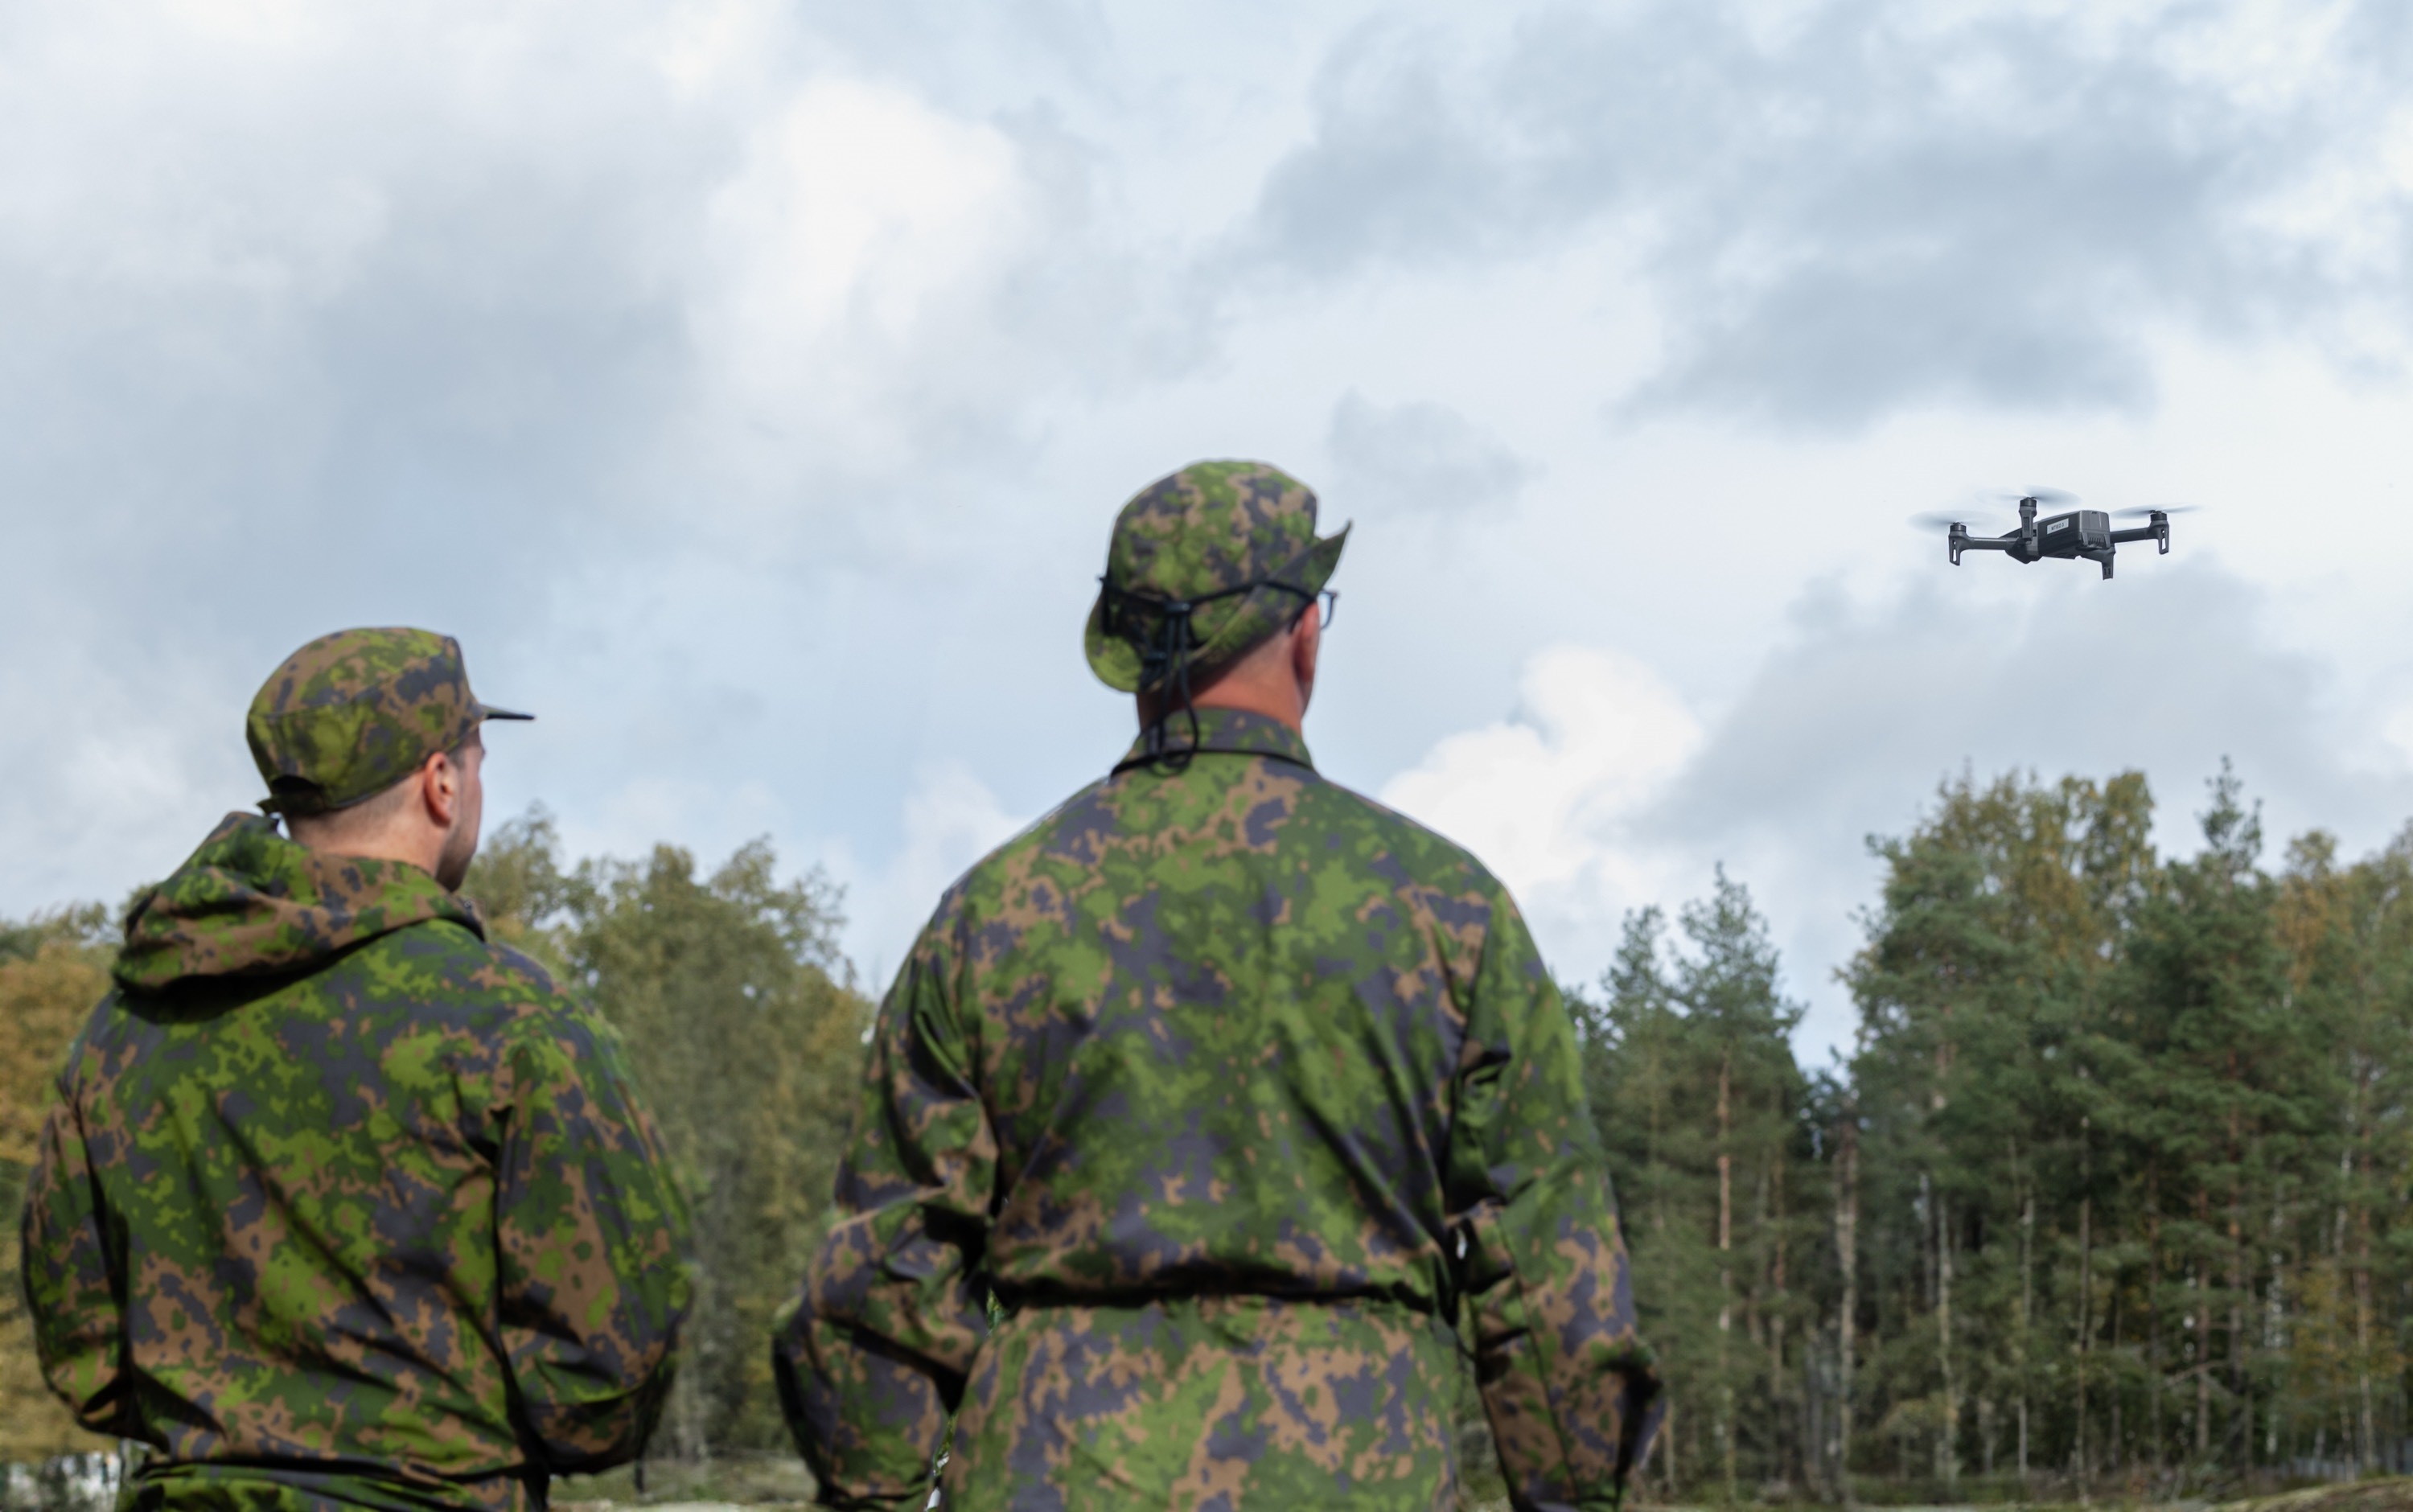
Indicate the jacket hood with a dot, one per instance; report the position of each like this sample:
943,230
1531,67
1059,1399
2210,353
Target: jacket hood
250,902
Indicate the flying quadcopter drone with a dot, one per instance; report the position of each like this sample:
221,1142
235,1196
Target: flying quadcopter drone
2073,534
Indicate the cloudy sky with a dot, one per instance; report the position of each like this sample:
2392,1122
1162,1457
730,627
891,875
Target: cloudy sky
750,386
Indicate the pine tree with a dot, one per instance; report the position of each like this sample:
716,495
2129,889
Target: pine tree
1703,1110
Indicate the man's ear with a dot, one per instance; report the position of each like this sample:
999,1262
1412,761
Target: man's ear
1306,644
440,789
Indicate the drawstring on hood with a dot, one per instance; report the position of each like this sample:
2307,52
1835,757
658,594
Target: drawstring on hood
250,903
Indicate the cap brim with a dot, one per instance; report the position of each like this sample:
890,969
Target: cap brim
487,711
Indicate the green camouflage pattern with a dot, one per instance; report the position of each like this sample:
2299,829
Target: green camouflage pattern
1212,526
340,1206
1230,1085
351,714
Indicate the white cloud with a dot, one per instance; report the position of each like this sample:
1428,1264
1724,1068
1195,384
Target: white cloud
708,818
1547,797
952,820
859,218
859,200
1420,456
136,780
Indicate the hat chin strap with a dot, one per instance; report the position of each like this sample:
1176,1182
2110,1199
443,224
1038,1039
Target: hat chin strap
1165,655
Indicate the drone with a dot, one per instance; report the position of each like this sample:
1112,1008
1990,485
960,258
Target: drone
2073,535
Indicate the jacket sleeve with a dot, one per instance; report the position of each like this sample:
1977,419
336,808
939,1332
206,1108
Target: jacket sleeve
871,1358
1566,1382
593,1239
70,1289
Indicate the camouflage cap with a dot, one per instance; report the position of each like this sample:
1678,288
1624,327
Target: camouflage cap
1238,535
353,713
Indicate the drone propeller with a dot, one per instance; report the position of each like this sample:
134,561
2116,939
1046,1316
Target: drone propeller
2051,499
2158,509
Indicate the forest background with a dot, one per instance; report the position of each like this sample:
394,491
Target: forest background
2108,1198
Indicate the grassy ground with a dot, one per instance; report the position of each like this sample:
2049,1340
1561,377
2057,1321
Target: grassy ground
781,1483
757,1485
2391,1494
2394,1494
770,1481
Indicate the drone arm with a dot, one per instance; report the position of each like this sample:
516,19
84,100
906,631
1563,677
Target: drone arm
2159,530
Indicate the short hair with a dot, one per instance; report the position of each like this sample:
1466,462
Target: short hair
373,811
370,812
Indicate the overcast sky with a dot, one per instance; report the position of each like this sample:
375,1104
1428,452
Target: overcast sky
750,386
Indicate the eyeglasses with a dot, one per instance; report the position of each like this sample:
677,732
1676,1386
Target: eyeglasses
1329,601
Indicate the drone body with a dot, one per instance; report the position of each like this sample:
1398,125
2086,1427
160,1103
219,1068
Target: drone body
2073,535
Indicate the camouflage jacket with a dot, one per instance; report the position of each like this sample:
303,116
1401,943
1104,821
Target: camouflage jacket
342,1207
1230,1085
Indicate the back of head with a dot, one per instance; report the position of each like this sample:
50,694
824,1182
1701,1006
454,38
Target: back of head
360,823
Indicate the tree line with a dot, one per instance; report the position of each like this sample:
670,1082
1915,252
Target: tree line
2107,1197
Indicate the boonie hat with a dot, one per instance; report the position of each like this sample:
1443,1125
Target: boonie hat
351,714
1203,565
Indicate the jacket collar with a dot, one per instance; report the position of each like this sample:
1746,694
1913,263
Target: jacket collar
1222,733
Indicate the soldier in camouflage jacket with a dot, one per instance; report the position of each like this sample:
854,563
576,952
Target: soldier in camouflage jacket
340,1205
1228,1085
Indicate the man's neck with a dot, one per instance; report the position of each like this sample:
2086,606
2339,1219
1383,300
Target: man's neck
1251,696
425,851
1267,701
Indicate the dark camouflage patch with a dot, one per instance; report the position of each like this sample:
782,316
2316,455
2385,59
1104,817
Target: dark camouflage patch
1230,1083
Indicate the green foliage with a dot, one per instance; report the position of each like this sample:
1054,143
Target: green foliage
1700,1103
745,1033
82,926
2134,1149
52,971
2119,1162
